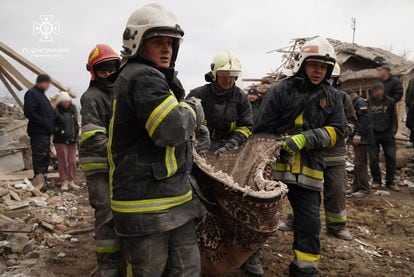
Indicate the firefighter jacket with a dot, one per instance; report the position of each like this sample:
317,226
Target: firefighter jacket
150,153
293,106
364,128
336,155
228,114
96,114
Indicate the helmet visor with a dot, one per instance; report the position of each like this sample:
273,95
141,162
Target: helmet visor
321,59
228,73
163,33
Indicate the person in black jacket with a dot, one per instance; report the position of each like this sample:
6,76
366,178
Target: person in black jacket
38,110
228,112
309,116
384,119
103,61
409,102
362,140
392,85
150,151
65,137
255,100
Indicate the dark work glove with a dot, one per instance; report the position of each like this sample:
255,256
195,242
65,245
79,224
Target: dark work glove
203,139
231,144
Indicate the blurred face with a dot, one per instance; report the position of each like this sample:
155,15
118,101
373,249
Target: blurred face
252,97
43,85
103,74
159,50
65,104
377,93
316,71
224,81
383,74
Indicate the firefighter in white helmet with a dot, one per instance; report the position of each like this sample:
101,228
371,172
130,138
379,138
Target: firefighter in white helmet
150,153
308,113
228,113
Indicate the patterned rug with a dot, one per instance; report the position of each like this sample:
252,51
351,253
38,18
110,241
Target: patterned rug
242,200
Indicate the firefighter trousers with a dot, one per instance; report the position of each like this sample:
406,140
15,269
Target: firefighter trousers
335,180
172,253
106,240
307,227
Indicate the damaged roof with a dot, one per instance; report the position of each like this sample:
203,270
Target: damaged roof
360,62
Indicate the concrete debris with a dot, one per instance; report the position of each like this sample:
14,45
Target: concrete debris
382,193
32,222
61,255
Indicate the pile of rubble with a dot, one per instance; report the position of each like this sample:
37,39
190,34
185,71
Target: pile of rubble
15,152
32,221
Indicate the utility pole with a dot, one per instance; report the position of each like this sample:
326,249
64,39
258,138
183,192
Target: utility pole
353,27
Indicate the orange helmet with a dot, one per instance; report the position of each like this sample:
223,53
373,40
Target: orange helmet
101,53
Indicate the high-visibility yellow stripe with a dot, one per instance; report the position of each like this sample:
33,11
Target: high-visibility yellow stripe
312,173
332,134
93,166
109,147
282,167
151,205
333,219
233,126
188,107
129,270
107,249
299,120
296,163
205,122
170,161
85,135
306,256
159,113
244,131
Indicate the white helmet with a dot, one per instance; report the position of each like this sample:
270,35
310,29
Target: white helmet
317,49
226,61
152,20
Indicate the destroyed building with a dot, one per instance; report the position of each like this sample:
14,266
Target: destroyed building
358,64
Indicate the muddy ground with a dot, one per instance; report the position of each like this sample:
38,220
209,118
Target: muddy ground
383,245
383,228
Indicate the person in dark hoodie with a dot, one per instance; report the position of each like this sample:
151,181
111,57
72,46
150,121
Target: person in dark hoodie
255,100
65,137
384,118
228,112
392,85
309,116
96,114
38,110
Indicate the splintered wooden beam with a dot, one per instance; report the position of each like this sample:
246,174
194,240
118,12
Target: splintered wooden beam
10,89
10,78
26,63
13,71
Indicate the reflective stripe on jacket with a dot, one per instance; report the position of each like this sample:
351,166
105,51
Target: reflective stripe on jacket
336,155
150,154
290,107
96,114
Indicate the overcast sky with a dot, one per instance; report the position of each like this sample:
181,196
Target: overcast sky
248,28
